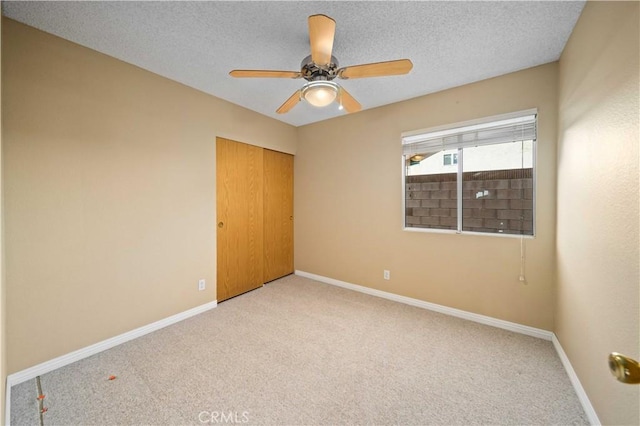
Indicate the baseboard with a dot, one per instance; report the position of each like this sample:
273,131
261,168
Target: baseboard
61,361
482,319
7,403
577,386
45,367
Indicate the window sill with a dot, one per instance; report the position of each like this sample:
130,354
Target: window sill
454,232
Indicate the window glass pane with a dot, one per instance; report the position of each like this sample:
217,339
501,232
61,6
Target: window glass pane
497,188
430,191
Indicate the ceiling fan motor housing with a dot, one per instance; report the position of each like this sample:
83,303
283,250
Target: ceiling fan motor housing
320,90
314,72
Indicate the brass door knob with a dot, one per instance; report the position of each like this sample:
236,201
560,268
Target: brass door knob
220,224
290,217
625,369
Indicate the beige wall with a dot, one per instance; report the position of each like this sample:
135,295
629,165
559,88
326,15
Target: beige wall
109,186
110,197
348,204
598,257
3,350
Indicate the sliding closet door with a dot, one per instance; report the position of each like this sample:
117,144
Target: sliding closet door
278,215
239,185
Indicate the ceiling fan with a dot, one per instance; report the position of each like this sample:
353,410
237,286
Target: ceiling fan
321,68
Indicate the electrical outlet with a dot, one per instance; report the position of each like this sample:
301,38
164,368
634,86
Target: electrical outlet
202,284
387,275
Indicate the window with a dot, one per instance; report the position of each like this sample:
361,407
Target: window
450,159
472,177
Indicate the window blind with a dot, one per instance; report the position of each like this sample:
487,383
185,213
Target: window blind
514,129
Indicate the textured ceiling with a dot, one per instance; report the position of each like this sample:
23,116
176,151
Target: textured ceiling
198,43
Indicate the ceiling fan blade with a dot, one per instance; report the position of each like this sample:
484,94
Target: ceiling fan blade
378,69
264,74
289,103
322,29
348,102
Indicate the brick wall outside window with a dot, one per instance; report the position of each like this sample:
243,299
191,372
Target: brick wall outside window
499,201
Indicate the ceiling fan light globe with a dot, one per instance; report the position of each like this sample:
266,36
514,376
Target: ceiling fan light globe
320,97
320,93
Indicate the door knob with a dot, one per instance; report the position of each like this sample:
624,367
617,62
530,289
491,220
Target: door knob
290,217
220,224
625,369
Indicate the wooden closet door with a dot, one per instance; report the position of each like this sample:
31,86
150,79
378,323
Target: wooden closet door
278,215
239,185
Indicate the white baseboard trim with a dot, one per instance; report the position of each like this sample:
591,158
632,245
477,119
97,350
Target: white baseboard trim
577,386
7,404
482,319
61,361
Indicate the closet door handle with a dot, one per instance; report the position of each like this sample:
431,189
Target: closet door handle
220,224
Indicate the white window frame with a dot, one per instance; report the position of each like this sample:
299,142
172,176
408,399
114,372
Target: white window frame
447,129
453,157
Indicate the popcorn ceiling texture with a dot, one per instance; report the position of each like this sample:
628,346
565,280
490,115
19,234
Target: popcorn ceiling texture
198,43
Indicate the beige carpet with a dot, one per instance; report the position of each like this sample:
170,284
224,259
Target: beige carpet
300,352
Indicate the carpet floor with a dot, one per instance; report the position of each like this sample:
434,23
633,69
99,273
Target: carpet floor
297,352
